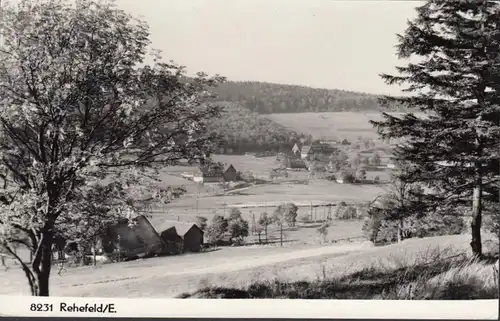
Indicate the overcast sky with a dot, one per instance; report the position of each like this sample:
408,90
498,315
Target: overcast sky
341,44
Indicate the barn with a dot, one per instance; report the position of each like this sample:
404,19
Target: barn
207,174
179,237
296,149
172,241
304,153
230,174
139,239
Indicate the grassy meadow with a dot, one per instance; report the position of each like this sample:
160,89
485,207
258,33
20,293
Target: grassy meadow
428,268
331,125
336,125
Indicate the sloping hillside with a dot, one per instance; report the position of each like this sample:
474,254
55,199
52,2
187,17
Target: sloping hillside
244,131
267,98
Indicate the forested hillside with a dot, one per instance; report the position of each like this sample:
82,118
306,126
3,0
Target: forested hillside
267,98
244,131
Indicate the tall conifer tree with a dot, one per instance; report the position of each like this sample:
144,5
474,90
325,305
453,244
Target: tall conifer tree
454,79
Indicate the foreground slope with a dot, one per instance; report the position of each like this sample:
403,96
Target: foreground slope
170,276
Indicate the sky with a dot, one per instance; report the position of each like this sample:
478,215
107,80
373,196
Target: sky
343,44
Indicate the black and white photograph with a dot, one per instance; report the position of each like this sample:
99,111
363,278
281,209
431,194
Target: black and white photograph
250,149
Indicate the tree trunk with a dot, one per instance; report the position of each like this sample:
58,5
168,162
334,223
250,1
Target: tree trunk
43,265
476,217
400,230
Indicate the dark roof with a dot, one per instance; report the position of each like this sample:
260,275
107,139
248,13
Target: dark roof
322,148
230,167
297,163
209,171
180,227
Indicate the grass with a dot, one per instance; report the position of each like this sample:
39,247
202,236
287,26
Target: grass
336,125
337,268
434,273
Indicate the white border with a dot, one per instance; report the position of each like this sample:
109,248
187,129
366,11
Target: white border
248,308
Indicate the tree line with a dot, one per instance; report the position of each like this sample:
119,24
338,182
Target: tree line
242,130
267,98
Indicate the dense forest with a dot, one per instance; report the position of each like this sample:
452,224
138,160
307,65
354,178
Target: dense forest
267,98
245,131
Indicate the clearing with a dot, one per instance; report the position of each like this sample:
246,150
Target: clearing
335,125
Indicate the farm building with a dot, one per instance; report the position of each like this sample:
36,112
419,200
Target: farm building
138,239
304,152
296,164
180,236
230,174
172,241
208,174
147,237
318,151
296,149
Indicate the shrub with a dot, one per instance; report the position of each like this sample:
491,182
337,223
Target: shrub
247,176
347,213
378,229
361,174
348,177
201,221
238,229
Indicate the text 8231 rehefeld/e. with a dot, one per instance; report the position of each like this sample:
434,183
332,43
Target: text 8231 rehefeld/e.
92,308
65,307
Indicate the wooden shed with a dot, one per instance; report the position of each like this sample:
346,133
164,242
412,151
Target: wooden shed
230,174
138,239
179,237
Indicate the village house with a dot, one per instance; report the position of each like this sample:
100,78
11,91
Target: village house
230,174
180,237
215,174
317,151
296,164
304,152
152,237
138,239
209,174
296,150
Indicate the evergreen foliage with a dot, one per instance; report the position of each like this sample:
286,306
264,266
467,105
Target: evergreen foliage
454,149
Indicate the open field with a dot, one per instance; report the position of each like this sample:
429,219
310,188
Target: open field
338,125
315,191
238,266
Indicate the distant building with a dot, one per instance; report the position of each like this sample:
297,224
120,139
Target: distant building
209,174
179,237
130,240
296,149
318,151
304,152
296,164
152,237
328,142
230,174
